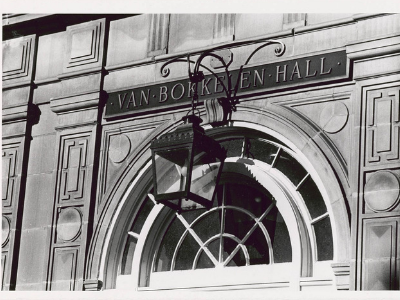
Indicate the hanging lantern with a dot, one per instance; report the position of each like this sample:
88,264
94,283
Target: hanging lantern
187,165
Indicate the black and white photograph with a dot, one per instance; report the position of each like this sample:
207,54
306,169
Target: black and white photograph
227,153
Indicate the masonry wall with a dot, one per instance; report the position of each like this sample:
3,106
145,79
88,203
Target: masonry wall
62,157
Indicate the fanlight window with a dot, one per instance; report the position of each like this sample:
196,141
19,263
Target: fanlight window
243,228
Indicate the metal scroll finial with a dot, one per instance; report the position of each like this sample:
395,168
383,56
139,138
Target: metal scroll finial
229,101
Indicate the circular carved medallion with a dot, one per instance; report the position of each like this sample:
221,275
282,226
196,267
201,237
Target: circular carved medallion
333,117
119,148
69,224
5,230
382,191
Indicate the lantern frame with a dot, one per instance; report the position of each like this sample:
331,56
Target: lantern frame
189,136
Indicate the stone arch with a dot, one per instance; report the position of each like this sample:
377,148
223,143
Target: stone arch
134,178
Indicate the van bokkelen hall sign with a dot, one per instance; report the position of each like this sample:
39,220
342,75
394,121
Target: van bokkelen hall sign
250,81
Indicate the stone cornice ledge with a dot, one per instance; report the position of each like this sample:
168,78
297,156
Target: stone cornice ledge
65,104
13,114
370,48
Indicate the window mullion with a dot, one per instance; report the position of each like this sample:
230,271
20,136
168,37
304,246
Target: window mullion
273,164
221,239
197,238
249,233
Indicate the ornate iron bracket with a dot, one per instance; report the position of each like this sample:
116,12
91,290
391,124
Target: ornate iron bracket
229,101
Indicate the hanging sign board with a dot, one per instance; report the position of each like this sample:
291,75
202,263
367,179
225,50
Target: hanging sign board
249,81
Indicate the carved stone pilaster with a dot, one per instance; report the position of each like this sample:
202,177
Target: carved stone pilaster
77,126
17,110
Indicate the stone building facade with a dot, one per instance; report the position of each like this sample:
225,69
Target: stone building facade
309,195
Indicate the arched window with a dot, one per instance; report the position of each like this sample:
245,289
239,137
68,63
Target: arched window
243,228
269,224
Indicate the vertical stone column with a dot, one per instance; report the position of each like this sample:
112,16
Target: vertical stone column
17,111
78,112
376,189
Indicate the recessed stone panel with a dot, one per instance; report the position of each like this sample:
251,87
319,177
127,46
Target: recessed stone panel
73,168
5,230
333,117
64,269
17,60
383,126
120,145
69,224
8,178
84,46
382,191
379,254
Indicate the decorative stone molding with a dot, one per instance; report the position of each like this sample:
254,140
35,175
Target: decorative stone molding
9,162
382,191
13,169
333,117
84,46
374,57
119,148
380,256
342,275
371,48
65,261
5,230
158,42
18,61
73,194
92,285
69,224
76,110
383,126
61,105
74,156
12,114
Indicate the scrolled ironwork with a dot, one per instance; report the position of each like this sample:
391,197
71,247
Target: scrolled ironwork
196,76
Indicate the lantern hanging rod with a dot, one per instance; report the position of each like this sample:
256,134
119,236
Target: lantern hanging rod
278,51
197,75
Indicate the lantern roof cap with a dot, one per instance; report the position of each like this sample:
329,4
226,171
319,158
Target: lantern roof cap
184,133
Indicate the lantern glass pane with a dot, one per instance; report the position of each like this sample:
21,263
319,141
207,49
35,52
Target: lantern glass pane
204,176
171,170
